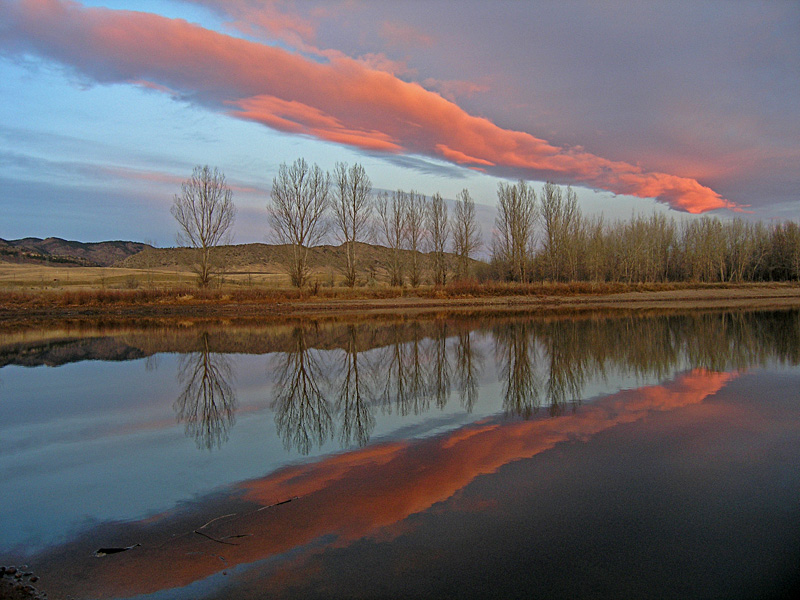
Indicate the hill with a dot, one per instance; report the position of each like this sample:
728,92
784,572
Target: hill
65,253
266,257
243,259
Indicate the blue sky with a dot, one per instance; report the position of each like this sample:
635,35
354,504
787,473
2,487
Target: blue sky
684,107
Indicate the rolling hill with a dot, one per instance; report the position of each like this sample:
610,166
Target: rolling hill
60,252
254,258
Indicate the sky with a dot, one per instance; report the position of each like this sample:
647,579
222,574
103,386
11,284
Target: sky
686,107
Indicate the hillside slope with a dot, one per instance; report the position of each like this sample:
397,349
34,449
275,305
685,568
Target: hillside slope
64,252
266,257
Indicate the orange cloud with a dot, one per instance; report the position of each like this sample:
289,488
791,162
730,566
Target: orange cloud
351,495
296,117
460,157
341,100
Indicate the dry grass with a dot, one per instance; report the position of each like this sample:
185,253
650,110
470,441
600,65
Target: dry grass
84,295
26,288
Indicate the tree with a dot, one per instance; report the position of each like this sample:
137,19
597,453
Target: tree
299,200
415,229
466,232
438,232
352,207
392,230
515,222
205,214
560,218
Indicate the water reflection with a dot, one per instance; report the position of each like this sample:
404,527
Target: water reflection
513,350
332,381
349,496
469,364
207,404
439,375
412,368
355,396
406,388
303,414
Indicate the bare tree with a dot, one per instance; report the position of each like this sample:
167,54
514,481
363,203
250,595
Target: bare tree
297,207
415,229
352,207
438,232
515,228
466,232
392,230
205,214
560,218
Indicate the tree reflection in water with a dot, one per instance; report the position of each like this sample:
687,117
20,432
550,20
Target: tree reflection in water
469,364
208,402
409,368
439,374
392,363
302,412
514,349
402,366
354,400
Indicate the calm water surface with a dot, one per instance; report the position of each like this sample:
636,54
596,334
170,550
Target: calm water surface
509,457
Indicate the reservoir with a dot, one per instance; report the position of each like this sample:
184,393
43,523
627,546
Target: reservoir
589,456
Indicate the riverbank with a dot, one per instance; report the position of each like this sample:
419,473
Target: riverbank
19,310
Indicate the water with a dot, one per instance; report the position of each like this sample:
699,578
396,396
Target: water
506,457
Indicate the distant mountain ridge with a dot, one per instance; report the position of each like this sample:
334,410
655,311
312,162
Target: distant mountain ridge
65,252
136,255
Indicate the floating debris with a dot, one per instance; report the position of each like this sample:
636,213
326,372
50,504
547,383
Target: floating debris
106,551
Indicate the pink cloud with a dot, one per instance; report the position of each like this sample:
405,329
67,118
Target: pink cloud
296,117
273,18
167,178
460,157
341,100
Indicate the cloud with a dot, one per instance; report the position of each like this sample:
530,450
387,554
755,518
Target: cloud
426,166
273,19
452,89
404,36
296,117
340,100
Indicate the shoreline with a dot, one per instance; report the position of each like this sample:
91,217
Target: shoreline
749,296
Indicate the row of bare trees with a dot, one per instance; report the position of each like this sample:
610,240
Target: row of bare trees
537,237
545,237
307,204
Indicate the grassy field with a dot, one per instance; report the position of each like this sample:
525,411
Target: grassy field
36,278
